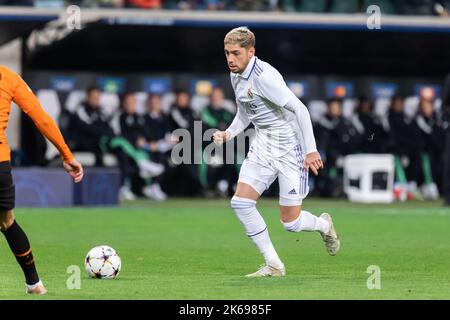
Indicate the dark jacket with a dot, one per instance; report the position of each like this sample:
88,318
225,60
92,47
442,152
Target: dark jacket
375,136
336,134
156,128
432,134
132,126
92,123
181,118
405,133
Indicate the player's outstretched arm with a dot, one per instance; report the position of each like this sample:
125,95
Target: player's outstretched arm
313,160
273,87
240,122
75,169
220,137
28,102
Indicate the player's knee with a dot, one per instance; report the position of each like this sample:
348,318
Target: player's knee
289,217
6,220
290,226
239,204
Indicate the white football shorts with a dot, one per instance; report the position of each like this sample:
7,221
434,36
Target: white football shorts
260,171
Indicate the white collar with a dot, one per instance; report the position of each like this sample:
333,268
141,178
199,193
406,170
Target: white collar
248,70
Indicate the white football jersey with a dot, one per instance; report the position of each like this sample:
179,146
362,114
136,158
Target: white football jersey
262,92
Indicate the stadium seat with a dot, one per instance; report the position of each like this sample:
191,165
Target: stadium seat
369,177
349,107
411,106
114,123
317,108
438,104
49,4
87,159
50,102
74,99
305,5
166,101
110,160
386,6
198,102
347,6
381,107
141,102
229,105
110,102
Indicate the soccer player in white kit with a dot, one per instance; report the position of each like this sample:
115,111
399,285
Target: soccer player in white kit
284,148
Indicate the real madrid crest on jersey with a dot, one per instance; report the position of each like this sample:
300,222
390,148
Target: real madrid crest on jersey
250,93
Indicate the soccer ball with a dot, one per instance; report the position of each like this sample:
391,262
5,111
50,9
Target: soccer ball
102,262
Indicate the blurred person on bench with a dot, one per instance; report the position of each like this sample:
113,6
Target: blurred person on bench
94,133
336,137
433,135
221,177
132,127
407,148
182,118
374,131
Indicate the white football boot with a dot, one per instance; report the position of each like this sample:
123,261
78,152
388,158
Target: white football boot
331,238
148,168
154,192
37,288
125,193
268,271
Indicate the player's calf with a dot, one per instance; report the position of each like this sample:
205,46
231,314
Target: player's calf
37,288
330,238
256,229
20,247
6,220
306,221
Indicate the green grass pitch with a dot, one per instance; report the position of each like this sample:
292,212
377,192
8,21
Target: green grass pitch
197,249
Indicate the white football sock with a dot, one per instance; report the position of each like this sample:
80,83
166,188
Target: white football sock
32,286
256,229
306,221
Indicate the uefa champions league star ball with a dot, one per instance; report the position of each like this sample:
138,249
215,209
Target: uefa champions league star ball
102,262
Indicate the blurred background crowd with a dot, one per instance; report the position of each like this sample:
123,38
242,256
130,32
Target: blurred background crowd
137,129
408,7
368,91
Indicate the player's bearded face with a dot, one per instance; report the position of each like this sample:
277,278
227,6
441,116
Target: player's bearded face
238,57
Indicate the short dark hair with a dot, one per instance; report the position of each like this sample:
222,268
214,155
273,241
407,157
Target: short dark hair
125,95
364,99
181,90
153,95
92,88
334,99
397,97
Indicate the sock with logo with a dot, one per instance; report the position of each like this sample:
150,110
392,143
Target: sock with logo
306,221
20,247
256,229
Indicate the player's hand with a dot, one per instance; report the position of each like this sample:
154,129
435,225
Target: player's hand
75,169
313,162
220,137
141,142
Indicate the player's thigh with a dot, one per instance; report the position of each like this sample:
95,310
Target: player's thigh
6,219
254,179
289,213
293,183
7,195
244,190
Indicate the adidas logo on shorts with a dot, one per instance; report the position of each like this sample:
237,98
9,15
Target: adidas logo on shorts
292,191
